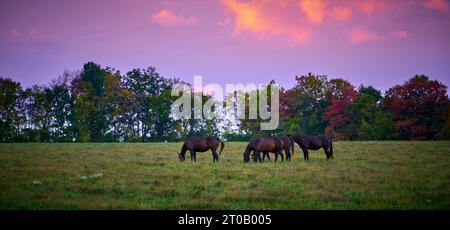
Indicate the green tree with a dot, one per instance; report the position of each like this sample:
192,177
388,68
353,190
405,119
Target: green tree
91,115
40,112
9,117
311,101
62,114
370,120
152,100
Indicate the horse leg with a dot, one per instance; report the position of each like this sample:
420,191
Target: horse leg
305,154
282,156
191,153
256,156
266,154
327,152
195,156
215,151
288,155
214,155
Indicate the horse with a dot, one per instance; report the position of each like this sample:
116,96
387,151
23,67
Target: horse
288,147
264,145
201,144
307,142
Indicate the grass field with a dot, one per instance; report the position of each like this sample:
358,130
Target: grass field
363,175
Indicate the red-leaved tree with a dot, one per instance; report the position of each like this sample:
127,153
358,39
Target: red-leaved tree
416,107
337,114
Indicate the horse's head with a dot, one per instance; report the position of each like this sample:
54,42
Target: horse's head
182,157
246,158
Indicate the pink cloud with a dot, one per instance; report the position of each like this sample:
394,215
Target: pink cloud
224,22
313,9
368,7
341,13
266,18
400,34
363,35
168,18
360,35
15,33
440,5
298,19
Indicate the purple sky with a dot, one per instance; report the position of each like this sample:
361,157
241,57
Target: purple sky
379,43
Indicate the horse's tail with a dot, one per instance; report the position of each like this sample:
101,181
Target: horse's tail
222,146
331,148
292,142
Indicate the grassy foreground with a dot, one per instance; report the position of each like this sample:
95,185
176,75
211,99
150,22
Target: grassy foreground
364,175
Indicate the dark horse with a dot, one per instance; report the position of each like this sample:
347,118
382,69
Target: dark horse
263,145
201,144
314,143
288,147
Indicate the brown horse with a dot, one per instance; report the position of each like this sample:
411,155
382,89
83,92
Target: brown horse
314,143
263,145
201,144
288,147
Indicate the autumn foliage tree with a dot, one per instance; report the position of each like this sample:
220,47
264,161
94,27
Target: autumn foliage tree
340,123
417,107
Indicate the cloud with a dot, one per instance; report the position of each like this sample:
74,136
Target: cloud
368,7
313,9
299,19
361,35
440,5
168,18
248,16
341,13
15,33
23,34
371,7
399,34
266,18
224,22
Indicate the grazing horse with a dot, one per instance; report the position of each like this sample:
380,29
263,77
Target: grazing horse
201,144
263,145
288,147
314,143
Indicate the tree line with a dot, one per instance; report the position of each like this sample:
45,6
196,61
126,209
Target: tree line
99,104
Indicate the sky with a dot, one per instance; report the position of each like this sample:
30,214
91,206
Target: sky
371,42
